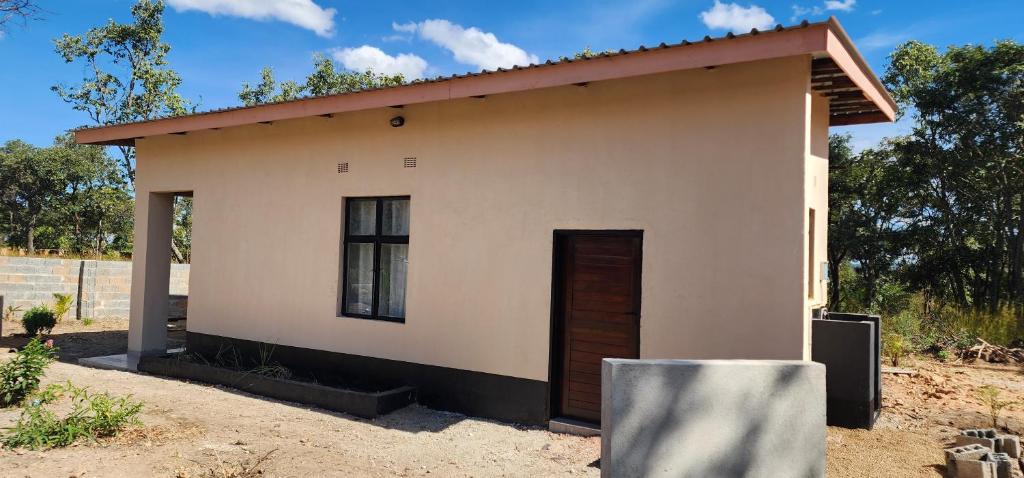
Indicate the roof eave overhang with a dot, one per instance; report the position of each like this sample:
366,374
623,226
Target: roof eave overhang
826,38
841,50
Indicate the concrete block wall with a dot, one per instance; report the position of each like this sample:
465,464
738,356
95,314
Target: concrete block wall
105,285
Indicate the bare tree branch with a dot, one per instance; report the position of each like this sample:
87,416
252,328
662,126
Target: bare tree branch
18,10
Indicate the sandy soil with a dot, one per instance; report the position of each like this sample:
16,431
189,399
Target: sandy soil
192,428
921,415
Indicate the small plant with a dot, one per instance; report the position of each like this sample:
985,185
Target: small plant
19,377
989,396
943,355
61,305
266,367
895,347
10,311
39,319
87,321
91,416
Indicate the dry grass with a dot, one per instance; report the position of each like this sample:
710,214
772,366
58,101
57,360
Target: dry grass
155,435
228,469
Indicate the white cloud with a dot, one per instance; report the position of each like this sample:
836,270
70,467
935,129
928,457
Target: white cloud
302,13
404,27
469,45
841,5
829,5
734,17
880,40
368,57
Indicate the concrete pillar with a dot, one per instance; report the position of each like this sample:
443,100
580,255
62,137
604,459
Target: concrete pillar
151,274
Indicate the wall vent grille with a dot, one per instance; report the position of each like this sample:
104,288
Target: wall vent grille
342,168
409,163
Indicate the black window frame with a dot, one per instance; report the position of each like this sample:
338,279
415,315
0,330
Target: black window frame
377,239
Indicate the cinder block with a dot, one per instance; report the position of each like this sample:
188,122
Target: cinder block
1004,466
969,452
973,469
984,437
1009,444
703,418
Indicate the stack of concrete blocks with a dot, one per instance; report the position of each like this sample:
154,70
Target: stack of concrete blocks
1009,444
711,418
982,453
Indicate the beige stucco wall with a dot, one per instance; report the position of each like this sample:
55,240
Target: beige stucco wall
709,163
816,197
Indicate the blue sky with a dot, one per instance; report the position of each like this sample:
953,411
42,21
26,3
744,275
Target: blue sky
219,44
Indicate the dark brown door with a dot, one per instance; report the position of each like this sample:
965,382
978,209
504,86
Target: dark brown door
597,314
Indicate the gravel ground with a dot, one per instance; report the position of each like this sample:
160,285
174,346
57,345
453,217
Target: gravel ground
191,428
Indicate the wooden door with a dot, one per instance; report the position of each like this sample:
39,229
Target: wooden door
597,314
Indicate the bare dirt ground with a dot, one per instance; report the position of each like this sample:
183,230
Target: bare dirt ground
190,429
921,415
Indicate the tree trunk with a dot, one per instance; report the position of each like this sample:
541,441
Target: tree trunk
177,253
833,287
31,236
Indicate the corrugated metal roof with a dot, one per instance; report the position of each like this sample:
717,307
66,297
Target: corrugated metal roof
470,74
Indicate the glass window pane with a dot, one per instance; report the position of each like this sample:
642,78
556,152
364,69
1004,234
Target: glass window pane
359,279
395,217
394,267
362,217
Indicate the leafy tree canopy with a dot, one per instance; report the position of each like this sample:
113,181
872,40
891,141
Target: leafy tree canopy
127,76
66,196
326,79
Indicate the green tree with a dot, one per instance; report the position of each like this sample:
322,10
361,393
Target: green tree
181,234
326,79
32,181
868,198
586,53
966,156
127,76
67,196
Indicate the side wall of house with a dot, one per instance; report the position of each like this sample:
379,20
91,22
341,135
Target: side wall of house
708,163
816,199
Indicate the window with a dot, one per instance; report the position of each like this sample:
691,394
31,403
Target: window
375,258
811,282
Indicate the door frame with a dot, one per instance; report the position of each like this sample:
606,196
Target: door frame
555,352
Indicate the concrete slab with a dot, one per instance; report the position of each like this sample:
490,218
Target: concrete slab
709,418
107,362
114,362
573,427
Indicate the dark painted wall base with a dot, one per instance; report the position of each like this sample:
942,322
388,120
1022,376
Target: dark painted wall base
478,394
359,403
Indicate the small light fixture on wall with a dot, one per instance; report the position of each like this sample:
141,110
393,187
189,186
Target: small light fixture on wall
397,121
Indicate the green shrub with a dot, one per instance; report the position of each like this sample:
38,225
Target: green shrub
895,347
39,319
91,416
61,305
989,396
87,321
19,377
